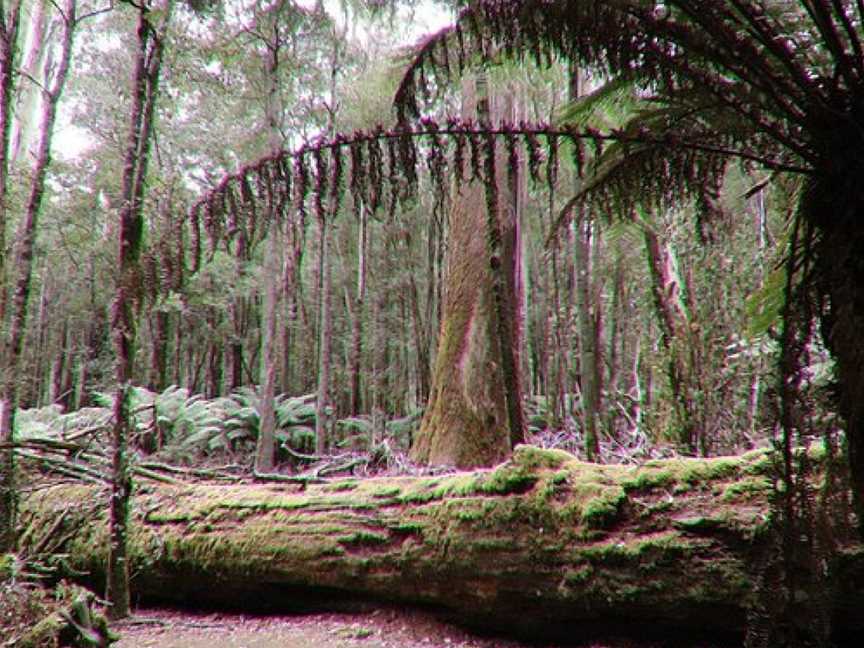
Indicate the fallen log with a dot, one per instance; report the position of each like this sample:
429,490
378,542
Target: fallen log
541,545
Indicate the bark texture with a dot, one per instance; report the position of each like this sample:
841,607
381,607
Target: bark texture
540,544
474,412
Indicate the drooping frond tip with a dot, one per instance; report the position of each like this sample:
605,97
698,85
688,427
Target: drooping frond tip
384,167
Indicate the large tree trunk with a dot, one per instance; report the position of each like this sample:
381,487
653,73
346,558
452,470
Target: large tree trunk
540,544
474,412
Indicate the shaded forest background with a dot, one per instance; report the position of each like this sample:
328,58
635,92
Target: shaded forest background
664,318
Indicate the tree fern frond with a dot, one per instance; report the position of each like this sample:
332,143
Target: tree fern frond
606,107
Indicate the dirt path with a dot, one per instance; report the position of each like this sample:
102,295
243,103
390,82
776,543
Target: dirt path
383,628
376,629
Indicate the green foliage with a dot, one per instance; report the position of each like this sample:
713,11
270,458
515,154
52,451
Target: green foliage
295,421
765,305
606,107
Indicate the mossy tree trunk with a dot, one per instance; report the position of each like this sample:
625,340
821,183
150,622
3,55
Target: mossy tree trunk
127,299
540,544
9,23
474,414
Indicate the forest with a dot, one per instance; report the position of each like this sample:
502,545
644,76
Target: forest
543,314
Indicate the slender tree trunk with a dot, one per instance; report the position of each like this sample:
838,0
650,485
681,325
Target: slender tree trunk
239,310
9,23
675,332
40,378
292,297
357,324
265,450
616,351
14,341
323,407
556,351
179,351
214,355
59,365
160,332
37,37
265,453
10,15
588,361
145,81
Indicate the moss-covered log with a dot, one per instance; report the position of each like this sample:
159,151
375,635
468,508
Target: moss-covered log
540,543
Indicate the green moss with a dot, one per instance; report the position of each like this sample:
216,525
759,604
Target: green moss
436,489
601,511
668,544
578,576
647,478
44,633
746,489
533,458
507,480
386,492
340,486
364,539
407,528
698,524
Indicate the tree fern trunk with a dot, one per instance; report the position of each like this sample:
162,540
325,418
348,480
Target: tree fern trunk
841,268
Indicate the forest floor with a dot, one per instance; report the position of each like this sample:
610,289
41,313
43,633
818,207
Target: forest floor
379,628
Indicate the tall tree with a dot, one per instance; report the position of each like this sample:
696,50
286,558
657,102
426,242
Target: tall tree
10,16
51,80
474,415
151,28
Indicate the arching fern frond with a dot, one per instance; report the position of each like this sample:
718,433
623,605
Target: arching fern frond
779,67
384,167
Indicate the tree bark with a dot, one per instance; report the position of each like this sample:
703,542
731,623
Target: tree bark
841,269
474,412
265,450
674,323
323,407
127,299
13,342
589,365
9,23
541,544
358,313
